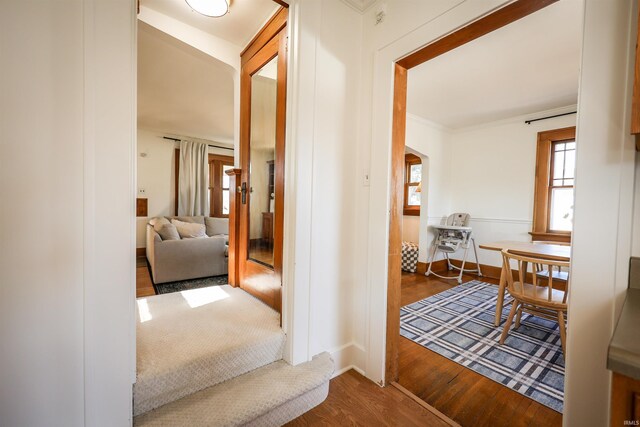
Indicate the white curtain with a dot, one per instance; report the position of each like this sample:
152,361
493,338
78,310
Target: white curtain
193,180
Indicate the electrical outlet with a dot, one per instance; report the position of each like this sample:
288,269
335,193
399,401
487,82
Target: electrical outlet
142,191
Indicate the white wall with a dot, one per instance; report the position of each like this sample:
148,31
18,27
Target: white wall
603,207
156,175
333,272
410,228
433,143
320,250
492,176
67,280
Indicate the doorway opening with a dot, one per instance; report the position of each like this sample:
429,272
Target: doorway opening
476,167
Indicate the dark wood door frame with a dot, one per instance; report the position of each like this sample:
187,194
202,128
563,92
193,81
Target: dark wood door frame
270,42
491,22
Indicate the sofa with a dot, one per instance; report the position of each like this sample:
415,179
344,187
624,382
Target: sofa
181,248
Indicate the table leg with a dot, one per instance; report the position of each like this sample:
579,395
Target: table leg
500,301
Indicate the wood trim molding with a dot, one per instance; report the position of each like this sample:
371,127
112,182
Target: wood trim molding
551,237
234,225
409,159
491,22
216,166
277,22
498,19
141,252
394,278
541,194
488,271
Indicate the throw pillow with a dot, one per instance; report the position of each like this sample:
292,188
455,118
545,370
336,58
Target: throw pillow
216,226
158,223
189,230
168,231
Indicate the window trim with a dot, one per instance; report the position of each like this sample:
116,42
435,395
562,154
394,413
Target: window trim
215,181
409,160
216,171
542,192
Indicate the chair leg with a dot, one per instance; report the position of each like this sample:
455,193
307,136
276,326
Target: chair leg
518,316
563,333
500,301
507,324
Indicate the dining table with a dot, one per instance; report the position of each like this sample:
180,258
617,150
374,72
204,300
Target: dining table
543,250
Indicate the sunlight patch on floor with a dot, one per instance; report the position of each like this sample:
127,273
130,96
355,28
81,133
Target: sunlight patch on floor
143,310
199,297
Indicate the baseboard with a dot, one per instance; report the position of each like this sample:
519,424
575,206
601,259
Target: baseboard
348,356
141,251
490,271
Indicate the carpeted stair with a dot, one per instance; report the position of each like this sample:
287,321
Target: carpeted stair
197,347
269,396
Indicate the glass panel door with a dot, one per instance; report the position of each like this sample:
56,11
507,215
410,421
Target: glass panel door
262,155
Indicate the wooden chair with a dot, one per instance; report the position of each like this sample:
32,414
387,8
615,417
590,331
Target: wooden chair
537,297
559,276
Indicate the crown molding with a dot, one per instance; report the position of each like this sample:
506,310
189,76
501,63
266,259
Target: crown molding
359,5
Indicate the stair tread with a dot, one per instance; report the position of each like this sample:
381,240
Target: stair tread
188,341
245,398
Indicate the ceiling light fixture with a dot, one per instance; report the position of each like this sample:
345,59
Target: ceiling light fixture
211,8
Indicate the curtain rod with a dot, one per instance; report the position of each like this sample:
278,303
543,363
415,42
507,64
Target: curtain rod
548,117
210,145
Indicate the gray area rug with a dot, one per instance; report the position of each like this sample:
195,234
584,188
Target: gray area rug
458,324
185,285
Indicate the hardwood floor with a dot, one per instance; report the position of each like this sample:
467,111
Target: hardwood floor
356,401
144,285
460,393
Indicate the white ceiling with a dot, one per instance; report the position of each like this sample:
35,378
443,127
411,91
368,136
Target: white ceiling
243,21
181,90
528,66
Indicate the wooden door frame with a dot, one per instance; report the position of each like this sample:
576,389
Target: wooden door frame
485,25
271,41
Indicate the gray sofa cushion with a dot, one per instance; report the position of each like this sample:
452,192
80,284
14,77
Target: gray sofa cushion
193,219
167,231
216,226
189,230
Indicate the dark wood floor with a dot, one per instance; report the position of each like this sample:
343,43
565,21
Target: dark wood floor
463,395
356,401
144,285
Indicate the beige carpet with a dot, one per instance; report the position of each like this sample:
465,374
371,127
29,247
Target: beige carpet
269,396
188,341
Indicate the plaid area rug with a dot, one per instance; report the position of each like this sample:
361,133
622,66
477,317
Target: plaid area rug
458,324
184,285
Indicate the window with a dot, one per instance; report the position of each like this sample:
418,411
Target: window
219,185
412,184
553,197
